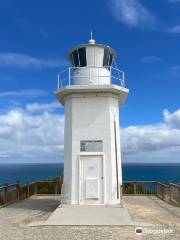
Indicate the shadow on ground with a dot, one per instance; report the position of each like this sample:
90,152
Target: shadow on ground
42,204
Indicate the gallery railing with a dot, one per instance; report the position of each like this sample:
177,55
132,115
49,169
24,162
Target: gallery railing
67,76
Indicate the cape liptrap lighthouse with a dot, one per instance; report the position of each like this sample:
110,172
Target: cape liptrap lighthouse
91,92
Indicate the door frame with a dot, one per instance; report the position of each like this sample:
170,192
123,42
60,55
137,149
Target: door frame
84,154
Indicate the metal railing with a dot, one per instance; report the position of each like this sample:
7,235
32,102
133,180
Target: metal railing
67,76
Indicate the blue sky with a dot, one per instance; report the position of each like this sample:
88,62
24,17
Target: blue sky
35,37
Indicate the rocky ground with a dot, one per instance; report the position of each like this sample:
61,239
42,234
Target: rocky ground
14,220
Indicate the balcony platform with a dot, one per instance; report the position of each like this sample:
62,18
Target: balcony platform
121,92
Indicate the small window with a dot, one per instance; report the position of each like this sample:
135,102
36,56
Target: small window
79,57
110,60
82,57
106,57
75,58
91,146
107,61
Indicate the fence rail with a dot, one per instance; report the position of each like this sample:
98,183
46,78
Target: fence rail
169,193
139,188
15,192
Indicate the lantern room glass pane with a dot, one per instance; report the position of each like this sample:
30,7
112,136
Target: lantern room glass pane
107,61
106,57
82,57
110,60
75,58
79,58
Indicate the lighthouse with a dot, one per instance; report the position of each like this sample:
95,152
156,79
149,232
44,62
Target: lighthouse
92,91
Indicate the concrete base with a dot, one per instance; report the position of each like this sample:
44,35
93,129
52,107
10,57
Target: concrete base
83,215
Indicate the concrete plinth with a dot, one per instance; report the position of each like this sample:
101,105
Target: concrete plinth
70,215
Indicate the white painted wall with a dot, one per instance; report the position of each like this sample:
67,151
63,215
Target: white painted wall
90,116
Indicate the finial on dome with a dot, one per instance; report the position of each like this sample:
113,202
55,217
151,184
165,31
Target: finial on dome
92,41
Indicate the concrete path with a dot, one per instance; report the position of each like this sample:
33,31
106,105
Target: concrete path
81,215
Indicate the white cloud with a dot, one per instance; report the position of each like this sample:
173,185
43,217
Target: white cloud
174,29
132,13
37,107
40,137
156,143
172,119
173,1
25,137
150,59
174,71
26,61
24,93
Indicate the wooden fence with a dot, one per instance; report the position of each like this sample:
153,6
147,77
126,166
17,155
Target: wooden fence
169,193
15,192
10,193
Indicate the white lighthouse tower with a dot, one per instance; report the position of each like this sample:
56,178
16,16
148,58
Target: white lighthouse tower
91,92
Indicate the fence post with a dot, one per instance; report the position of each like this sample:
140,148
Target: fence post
28,190
35,188
60,183
135,189
5,189
56,187
170,193
17,190
162,187
156,188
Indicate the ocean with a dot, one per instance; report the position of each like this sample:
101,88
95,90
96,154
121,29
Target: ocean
164,173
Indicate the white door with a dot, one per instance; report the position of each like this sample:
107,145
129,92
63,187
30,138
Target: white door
91,180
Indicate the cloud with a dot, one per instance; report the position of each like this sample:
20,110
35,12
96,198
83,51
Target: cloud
174,71
24,93
155,143
37,107
31,138
28,137
26,61
173,1
172,119
132,13
150,59
174,29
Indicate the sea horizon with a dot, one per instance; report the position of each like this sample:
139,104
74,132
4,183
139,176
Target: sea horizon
136,171
123,163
